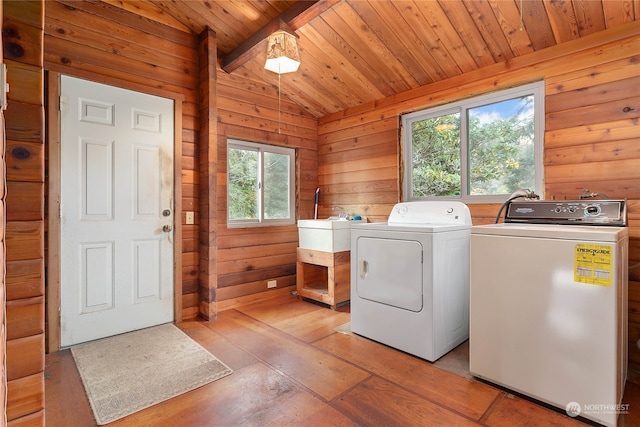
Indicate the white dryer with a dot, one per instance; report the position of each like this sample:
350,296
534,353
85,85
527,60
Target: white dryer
410,278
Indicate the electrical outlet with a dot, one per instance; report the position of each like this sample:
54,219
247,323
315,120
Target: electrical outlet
190,218
272,284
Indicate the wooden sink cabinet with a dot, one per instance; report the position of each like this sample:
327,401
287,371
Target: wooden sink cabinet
323,276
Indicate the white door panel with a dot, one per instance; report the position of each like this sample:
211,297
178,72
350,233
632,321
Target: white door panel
97,275
116,183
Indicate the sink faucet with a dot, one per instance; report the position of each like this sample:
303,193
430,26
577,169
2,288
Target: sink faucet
343,213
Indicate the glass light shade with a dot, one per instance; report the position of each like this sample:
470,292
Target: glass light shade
282,53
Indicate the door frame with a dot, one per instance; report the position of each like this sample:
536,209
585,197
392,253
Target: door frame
52,243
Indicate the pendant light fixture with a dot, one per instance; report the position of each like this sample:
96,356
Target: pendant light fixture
282,57
282,53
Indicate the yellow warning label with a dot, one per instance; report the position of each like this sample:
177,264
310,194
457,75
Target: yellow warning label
593,264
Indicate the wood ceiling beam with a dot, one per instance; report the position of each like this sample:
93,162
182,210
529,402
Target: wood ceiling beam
301,13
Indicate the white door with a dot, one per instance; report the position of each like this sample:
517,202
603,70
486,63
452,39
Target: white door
116,216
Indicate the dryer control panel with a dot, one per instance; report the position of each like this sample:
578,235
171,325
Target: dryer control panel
569,212
430,212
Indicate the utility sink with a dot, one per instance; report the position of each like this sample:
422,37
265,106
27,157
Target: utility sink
327,235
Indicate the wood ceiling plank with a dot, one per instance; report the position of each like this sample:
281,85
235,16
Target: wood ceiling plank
460,19
432,55
536,24
342,70
256,13
377,54
488,25
349,92
388,20
420,49
362,51
590,17
230,29
326,80
437,19
619,12
563,20
512,24
316,10
350,73
346,40
249,17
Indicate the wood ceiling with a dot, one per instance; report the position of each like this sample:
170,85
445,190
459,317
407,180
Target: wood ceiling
354,52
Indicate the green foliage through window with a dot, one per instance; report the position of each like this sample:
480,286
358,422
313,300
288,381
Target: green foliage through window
242,191
260,184
276,186
482,147
436,156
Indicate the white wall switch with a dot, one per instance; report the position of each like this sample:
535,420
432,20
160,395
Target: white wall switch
189,218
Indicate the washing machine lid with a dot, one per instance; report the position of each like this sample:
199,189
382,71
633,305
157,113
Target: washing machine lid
429,213
553,231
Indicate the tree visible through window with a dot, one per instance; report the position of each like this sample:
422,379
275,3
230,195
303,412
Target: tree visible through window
436,156
481,148
501,146
260,184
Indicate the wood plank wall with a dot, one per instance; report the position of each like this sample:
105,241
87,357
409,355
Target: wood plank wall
107,44
353,155
22,45
104,42
592,135
249,257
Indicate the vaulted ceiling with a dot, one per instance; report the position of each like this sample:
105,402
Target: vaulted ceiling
355,52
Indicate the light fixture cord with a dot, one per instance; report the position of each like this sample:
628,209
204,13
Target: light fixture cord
520,15
279,103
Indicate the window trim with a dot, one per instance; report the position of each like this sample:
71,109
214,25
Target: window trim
536,89
262,148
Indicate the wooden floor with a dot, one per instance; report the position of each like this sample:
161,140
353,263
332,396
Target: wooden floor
292,368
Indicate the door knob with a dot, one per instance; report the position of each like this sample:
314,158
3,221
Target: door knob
166,228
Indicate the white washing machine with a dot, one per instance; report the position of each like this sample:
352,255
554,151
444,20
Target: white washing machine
410,278
549,304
